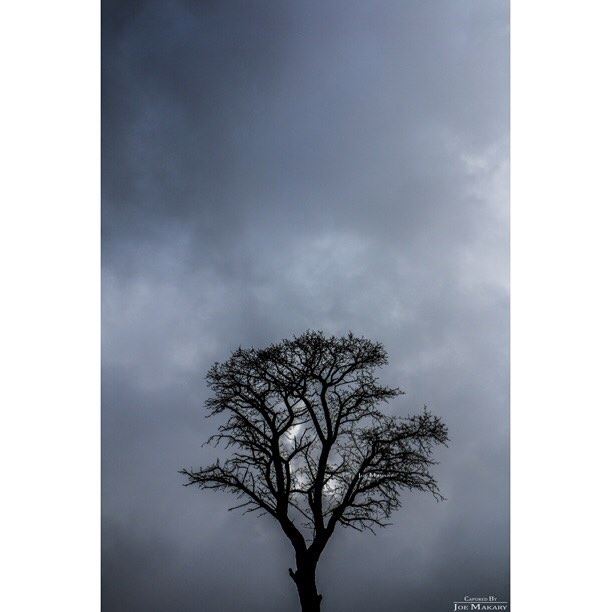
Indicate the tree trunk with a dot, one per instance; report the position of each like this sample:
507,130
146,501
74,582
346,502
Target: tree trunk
304,579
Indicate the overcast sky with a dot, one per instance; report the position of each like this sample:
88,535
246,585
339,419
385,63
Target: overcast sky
270,167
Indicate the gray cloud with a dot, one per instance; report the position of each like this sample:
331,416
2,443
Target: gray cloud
270,167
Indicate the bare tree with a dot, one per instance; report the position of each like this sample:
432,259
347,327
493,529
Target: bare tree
310,446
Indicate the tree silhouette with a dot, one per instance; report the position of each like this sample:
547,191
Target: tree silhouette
310,446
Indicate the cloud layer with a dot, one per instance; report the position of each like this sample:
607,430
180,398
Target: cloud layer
271,167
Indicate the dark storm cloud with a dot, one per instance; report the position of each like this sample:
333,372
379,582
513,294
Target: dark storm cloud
270,167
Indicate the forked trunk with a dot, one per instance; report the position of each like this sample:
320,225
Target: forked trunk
304,579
